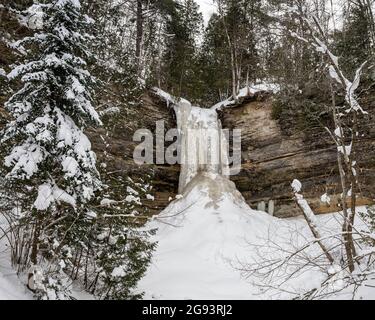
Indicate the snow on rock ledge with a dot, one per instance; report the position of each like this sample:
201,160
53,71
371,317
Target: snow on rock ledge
247,91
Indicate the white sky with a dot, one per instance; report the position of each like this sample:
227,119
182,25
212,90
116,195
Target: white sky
207,8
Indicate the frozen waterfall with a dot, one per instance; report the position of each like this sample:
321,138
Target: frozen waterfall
204,146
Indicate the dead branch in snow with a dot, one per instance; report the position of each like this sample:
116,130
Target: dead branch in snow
310,218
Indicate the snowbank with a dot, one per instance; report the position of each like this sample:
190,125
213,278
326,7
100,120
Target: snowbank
245,92
209,234
198,237
10,286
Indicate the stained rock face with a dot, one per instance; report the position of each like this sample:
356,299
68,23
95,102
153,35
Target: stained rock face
271,160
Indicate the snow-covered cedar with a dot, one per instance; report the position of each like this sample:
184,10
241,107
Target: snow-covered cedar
52,131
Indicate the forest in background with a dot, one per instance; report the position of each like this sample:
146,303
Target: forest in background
165,44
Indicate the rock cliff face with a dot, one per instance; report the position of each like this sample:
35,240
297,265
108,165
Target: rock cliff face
272,158
114,145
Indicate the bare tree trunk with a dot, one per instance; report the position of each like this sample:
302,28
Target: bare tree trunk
353,183
345,229
233,55
333,17
371,19
34,254
35,242
247,81
159,64
140,35
239,70
233,65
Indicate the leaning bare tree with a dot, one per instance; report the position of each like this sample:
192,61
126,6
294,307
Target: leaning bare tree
353,266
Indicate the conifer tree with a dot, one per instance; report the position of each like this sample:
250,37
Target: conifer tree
50,164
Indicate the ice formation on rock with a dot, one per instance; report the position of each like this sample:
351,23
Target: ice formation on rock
204,147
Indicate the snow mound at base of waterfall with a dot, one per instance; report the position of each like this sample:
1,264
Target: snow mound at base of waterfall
199,237
209,235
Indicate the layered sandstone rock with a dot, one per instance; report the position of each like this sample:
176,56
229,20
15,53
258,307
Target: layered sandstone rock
273,157
114,146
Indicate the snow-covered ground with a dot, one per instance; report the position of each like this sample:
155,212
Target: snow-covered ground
205,238
11,287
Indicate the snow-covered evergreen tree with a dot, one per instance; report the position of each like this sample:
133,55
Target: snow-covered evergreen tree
120,241
50,163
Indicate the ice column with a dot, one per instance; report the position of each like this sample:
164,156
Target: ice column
204,147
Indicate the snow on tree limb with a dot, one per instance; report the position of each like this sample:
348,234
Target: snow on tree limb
334,68
49,193
309,217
